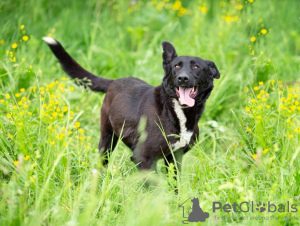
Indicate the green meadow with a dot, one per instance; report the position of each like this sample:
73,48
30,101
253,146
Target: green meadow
248,149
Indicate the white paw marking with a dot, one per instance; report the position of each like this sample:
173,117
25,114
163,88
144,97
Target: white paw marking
185,135
49,40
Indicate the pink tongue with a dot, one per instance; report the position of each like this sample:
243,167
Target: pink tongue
185,97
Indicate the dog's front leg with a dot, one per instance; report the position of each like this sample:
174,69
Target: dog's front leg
144,158
176,160
177,156
147,163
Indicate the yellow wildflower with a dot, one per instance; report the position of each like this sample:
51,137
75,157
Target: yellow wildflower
25,38
261,83
81,130
7,96
15,45
252,39
8,115
254,156
22,27
16,163
239,6
27,157
247,109
265,150
264,31
77,125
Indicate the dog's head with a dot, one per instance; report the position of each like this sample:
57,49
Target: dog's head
187,78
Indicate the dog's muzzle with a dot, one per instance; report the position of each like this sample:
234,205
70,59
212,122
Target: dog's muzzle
186,95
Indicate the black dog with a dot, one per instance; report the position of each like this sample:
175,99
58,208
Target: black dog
175,106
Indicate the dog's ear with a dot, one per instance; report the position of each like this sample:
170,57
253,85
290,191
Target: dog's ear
169,53
212,69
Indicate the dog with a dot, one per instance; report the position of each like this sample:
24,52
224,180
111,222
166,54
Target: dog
173,108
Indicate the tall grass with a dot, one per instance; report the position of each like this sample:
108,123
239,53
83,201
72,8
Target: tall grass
248,149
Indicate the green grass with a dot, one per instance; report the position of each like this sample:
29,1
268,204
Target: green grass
248,149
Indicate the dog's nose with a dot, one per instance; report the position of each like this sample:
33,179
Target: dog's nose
183,78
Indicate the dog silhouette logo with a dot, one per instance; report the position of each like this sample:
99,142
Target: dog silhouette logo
195,213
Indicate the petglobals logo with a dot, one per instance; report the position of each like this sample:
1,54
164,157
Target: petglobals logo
194,211
259,207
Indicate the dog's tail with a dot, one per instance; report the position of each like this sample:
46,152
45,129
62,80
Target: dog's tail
72,68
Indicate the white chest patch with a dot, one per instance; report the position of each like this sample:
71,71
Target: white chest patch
185,135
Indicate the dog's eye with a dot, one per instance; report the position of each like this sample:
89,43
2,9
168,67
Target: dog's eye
195,67
177,67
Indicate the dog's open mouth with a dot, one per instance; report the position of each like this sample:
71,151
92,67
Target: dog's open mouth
186,95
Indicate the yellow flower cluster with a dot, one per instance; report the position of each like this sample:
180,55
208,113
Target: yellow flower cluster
254,38
11,53
176,6
232,10
29,107
270,104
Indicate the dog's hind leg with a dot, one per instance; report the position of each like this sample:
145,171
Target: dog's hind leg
108,139
107,144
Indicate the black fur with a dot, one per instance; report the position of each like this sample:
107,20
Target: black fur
127,99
